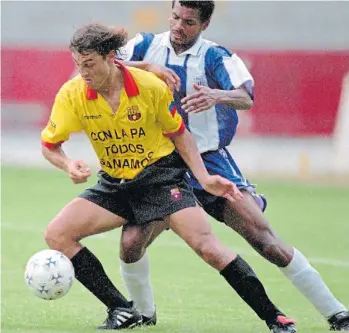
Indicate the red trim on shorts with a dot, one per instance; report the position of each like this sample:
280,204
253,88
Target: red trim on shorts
178,132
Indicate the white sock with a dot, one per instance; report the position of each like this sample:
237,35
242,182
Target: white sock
136,277
309,282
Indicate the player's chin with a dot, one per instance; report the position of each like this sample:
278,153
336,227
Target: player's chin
177,40
89,83
93,84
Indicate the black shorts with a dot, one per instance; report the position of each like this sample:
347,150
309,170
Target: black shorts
215,206
161,189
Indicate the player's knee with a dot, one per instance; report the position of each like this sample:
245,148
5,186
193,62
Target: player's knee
212,251
261,237
278,253
208,251
259,234
55,238
266,242
252,225
132,247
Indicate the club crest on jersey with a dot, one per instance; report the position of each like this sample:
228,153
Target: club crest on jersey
176,194
133,113
200,80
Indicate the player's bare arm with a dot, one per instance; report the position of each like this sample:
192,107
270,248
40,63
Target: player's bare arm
187,148
56,156
205,98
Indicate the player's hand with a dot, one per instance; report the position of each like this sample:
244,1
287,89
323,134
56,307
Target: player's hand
222,187
168,75
203,99
78,171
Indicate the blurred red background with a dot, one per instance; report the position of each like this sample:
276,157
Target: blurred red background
297,92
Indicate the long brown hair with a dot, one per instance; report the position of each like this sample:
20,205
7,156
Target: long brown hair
99,38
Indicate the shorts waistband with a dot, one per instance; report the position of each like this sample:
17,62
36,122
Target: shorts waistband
112,179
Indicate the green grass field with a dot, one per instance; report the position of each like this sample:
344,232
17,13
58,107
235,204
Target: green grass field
190,296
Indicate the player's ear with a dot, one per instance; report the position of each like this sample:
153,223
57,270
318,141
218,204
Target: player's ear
205,25
111,57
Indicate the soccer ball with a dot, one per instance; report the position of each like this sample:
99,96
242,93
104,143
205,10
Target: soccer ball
49,274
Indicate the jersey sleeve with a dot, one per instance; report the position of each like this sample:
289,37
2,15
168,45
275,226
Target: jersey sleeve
136,48
62,122
228,70
167,115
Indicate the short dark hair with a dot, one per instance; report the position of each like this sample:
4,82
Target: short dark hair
99,38
205,7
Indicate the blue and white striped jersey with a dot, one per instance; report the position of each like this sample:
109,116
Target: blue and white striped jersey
205,63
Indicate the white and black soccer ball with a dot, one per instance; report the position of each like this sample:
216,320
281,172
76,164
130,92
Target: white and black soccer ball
49,274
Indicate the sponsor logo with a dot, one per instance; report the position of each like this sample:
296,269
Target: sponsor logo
51,126
93,117
200,80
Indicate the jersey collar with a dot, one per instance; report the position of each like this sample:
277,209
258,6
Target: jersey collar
194,50
131,87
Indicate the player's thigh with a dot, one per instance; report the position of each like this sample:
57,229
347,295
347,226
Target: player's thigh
82,218
240,215
158,228
191,224
140,235
245,216
247,219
